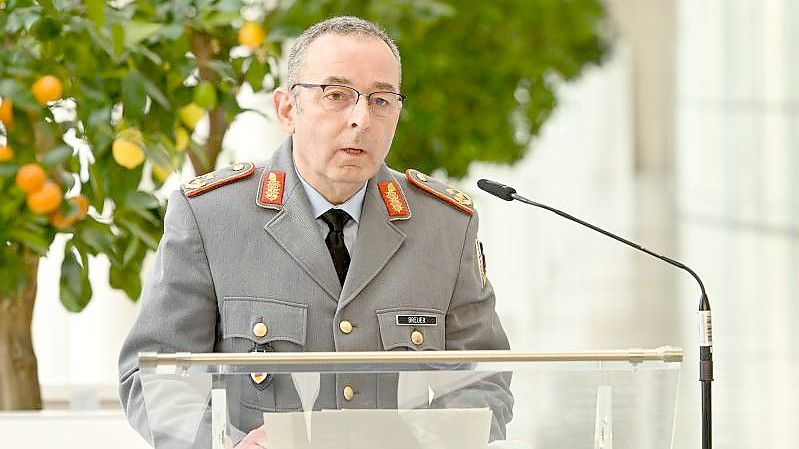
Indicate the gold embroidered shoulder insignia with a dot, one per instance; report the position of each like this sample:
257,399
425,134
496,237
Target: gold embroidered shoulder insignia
210,181
441,190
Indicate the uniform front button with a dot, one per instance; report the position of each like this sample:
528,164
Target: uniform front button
348,393
417,338
259,330
345,326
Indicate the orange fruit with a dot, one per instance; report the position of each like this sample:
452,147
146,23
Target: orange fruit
46,199
252,35
6,112
47,88
59,221
6,153
30,178
81,204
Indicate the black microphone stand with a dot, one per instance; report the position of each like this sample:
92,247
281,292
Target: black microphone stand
508,193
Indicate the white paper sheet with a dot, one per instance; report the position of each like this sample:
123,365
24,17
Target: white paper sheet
386,429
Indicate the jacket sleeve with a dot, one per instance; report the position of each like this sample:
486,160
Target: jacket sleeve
178,313
472,324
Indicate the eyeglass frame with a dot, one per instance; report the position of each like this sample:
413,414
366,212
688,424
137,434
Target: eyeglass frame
368,96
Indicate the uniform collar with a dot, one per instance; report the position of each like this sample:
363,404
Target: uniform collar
320,205
280,182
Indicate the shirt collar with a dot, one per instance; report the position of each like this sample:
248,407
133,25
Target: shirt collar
319,205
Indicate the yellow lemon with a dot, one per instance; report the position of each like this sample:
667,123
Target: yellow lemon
191,114
127,154
181,138
252,35
160,172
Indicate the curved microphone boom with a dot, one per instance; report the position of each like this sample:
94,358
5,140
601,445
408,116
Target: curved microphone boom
508,193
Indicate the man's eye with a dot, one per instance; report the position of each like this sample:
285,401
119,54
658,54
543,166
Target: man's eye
336,96
380,101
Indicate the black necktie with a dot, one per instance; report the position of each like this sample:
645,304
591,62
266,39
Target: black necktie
336,219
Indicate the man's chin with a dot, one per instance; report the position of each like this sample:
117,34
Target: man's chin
354,175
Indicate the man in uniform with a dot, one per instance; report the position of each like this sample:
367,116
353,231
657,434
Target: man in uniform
321,248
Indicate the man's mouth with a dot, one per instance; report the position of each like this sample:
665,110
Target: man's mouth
353,151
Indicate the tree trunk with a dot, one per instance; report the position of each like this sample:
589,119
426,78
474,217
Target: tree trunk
19,376
203,50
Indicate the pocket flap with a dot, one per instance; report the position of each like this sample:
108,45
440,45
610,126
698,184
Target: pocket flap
282,320
417,329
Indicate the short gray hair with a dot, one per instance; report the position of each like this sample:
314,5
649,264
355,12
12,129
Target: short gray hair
343,25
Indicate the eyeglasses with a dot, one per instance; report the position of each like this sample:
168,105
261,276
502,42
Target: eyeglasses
338,98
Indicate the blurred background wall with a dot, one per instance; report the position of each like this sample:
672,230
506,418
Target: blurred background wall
685,141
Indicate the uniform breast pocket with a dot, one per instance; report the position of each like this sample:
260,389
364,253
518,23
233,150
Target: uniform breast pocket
265,325
412,329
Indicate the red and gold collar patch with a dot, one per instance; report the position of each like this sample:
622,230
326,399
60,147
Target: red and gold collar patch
210,181
270,192
396,206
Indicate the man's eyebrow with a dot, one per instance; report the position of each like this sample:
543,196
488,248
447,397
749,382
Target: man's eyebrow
379,85
337,80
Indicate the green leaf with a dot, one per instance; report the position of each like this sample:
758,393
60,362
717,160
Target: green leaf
19,93
141,200
134,96
255,74
127,280
153,91
131,250
57,155
221,18
137,228
137,31
96,236
38,242
172,32
76,291
94,9
47,29
118,39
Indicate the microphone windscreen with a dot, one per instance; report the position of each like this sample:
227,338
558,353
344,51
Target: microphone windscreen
497,189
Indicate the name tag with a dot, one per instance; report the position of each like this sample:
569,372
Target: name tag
416,320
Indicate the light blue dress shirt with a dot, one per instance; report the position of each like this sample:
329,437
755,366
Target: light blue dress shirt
353,206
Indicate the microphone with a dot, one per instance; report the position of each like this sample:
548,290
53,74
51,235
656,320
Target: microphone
497,189
508,193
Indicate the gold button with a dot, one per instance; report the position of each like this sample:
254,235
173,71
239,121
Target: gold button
348,393
259,330
345,326
238,167
417,338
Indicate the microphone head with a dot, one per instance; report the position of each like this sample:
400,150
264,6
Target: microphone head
497,189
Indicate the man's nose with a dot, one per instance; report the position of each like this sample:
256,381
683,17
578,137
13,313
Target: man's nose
360,115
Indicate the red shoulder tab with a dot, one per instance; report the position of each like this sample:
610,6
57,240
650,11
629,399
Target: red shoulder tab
441,190
270,190
396,206
210,181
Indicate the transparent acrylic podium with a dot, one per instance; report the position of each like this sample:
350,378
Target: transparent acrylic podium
442,399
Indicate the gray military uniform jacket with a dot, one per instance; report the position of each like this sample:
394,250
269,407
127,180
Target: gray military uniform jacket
233,257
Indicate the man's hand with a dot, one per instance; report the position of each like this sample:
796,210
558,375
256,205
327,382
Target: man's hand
256,439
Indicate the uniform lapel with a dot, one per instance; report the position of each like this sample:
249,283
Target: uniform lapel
378,240
294,227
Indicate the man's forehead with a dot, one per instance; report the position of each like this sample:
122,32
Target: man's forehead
351,60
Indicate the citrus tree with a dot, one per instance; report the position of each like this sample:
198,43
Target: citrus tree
98,104
99,101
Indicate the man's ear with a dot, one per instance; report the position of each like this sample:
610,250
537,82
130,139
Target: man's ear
285,109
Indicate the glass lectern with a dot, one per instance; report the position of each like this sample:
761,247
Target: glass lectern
409,400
